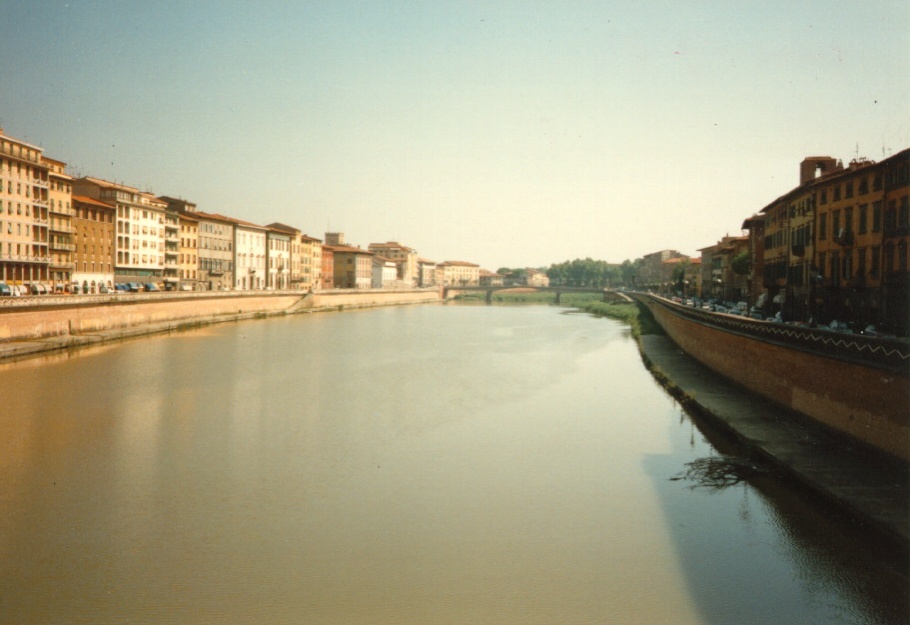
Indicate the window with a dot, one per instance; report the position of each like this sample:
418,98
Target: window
835,223
876,216
823,226
863,215
849,190
848,220
836,193
903,219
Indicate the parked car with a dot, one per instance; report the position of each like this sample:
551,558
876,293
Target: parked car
5,290
151,287
102,288
870,330
36,288
186,287
134,287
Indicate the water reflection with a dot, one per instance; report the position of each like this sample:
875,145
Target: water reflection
410,465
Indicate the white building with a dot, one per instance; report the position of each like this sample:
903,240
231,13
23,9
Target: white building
249,256
139,228
278,259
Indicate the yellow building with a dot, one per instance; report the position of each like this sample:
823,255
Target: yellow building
457,273
311,263
24,213
188,251
60,244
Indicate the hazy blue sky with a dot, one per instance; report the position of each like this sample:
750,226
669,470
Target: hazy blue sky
503,133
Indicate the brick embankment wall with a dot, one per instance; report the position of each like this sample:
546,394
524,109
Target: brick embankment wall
70,316
368,298
80,316
870,403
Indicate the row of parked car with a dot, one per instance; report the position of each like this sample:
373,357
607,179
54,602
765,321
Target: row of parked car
742,309
14,290
37,288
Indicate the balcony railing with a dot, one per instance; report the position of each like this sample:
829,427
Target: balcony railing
24,258
60,228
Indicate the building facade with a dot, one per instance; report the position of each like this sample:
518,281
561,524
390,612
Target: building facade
352,266
250,256
24,213
311,263
139,255
405,259
94,235
457,273
60,231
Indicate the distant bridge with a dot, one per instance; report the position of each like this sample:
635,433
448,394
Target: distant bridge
608,295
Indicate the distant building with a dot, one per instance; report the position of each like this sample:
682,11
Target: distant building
250,255
426,272
61,245
94,224
457,273
652,273
189,250
311,263
534,277
353,267
385,273
24,182
139,228
488,278
405,259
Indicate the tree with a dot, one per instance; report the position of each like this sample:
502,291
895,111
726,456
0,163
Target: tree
742,263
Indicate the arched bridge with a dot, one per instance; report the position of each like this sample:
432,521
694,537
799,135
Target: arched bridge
607,294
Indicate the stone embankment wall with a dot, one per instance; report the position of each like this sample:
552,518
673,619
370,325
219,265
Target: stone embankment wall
854,384
79,315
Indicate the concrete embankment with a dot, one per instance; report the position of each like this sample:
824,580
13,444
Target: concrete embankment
871,488
33,325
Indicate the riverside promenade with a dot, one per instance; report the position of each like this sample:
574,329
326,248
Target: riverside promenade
869,487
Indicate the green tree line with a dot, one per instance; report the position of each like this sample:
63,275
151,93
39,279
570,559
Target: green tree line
593,273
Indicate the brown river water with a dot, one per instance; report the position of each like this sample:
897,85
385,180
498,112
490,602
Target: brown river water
413,465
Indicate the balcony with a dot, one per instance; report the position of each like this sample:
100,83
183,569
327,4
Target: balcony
63,247
61,228
798,249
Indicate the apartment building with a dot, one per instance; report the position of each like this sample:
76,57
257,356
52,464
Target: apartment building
24,213
328,267
250,255
278,258
457,273
188,256
385,273
426,272
652,273
171,249
140,232
60,231
94,243
216,251
719,277
352,266
311,263
405,259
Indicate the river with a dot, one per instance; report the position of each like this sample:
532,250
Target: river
409,465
